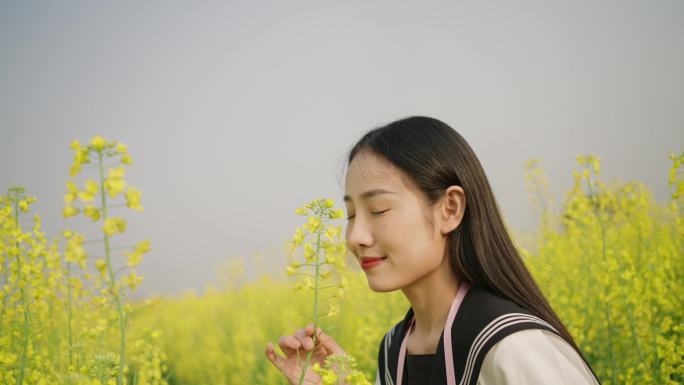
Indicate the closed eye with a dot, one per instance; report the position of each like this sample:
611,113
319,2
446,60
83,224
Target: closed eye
379,212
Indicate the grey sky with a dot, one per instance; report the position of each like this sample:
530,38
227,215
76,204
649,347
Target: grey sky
235,113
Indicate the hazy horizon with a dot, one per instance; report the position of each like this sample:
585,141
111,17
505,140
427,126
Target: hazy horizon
237,113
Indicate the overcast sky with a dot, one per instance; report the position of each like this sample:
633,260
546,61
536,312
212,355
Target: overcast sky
236,113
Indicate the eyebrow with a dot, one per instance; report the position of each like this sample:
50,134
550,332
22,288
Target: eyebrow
370,193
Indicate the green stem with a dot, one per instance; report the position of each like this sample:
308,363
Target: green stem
315,313
611,354
24,298
112,279
69,315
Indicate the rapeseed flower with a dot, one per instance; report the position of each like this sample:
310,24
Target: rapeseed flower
133,198
92,212
324,247
114,225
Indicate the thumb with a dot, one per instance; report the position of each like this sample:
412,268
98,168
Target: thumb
325,340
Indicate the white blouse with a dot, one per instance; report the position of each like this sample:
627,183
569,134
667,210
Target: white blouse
534,356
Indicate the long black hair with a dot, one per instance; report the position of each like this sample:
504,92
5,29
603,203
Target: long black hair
480,249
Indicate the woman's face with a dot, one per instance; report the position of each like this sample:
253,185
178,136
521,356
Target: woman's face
390,219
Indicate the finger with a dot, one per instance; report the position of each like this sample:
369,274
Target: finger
325,340
289,345
306,341
273,356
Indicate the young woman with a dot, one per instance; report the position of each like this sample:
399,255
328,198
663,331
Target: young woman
422,218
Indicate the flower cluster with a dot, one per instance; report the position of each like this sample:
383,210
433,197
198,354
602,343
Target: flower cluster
622,263
104,189
49,304
323,250
324,255
340,369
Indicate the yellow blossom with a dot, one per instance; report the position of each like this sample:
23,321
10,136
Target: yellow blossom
333,232
126,159
98,142
74,249
305,284
115,183
101,266
114,225
291,271
135,257
329,378
92,212
69,211
336,214
121,148
309,252
133,198
333,310
298,237
143,246
133,280
313,225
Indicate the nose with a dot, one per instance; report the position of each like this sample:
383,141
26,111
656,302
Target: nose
358,235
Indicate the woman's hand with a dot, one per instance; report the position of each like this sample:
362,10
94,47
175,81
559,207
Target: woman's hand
296,347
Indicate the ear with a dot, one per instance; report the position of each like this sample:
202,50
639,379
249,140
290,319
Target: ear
452,208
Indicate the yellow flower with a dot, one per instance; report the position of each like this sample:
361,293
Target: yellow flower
305,284
88,194
98,142
69,211
126,159
74,249
133,280
71,187
101,266
333,232
92,212
298,238
133,258
115,184
121,148
309,252
80,157
301,211
329,378
143,246
338,293
75,145
291,271
313,225
69,198
114,225
328,203
335,214
334,310
133,198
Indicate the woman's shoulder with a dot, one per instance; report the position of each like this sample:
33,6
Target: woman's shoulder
534,356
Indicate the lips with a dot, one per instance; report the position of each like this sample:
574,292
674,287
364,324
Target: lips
368,262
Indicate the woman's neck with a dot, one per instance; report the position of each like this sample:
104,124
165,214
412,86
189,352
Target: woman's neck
431,298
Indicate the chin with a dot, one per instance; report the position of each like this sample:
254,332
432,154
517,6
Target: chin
379,287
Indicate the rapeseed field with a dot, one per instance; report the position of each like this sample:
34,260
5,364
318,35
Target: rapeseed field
611,264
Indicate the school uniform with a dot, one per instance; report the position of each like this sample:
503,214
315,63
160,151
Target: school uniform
487,340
